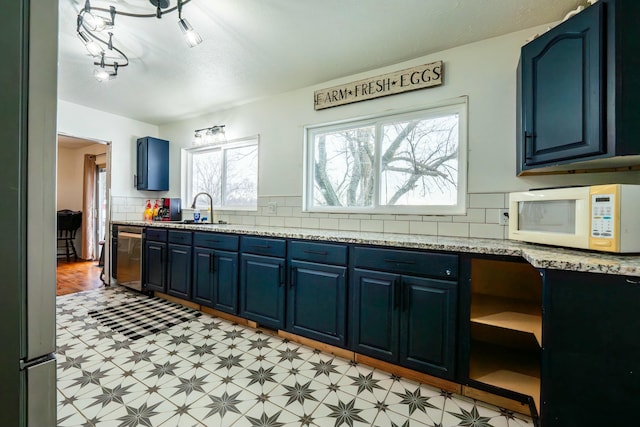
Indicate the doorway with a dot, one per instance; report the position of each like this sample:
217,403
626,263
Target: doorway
83,184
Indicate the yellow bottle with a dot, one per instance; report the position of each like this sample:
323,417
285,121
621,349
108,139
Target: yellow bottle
156,208
148,212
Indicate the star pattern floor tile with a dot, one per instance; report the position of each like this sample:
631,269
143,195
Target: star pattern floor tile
207,371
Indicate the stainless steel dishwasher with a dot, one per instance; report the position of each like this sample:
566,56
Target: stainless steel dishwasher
129,261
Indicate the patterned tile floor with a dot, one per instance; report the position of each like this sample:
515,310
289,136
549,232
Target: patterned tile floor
210,372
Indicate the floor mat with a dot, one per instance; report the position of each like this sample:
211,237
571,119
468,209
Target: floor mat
144,317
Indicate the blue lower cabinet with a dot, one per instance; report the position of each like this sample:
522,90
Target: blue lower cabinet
154,271
262,290
203,276
374,319
316,302
179,271
215,279
428,325
406,320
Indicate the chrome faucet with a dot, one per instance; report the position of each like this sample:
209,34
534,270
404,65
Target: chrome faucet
193,205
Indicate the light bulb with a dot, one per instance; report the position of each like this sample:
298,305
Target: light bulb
208,137
191,36
197,140
94,22
102,75
92,47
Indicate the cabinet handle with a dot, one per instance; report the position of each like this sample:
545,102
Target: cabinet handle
212,267
405,298
292,277
316,253
280,275
261,246
213,241
396,261
396,293
528,149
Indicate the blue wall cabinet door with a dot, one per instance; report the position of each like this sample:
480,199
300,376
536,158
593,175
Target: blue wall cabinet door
154,272
179,271
374,321
262,290
428,325
563,91
152,164
203,276
316,302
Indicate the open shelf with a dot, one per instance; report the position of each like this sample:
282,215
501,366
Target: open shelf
506,326
506,368
508,313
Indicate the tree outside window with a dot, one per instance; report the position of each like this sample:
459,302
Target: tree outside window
228,172
401,164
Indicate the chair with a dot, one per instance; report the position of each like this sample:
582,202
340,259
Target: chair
68,224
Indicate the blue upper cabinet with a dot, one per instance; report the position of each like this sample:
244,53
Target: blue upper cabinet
152,164
578,88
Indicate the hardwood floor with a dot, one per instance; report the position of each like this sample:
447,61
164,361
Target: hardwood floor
78,276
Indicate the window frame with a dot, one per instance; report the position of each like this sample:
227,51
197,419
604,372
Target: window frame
443,108
187,170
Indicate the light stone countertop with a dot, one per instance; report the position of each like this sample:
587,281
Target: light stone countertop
539,256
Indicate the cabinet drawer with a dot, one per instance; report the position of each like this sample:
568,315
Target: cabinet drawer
156,234
263,246
180,237
318,252
216,241
407,262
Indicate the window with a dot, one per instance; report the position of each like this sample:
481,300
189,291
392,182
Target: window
227,171
406,163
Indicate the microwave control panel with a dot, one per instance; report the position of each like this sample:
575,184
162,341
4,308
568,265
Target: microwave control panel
602,212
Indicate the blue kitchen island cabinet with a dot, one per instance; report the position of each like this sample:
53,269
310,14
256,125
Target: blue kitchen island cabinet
215,271
152,164
401,315
179,252
578,90
154,260
262,281
317,293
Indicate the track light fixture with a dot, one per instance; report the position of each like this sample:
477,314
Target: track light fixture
92,20
209,135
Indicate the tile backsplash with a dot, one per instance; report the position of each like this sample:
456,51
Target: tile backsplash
481,219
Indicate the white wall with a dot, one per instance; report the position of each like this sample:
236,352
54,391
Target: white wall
70,175
83,122
484,71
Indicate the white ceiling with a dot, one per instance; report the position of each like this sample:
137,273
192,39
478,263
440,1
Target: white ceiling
257,48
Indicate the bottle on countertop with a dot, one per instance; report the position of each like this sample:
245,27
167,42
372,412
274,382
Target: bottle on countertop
148,212
196,215
156,208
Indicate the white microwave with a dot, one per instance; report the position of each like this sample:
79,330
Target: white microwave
598,217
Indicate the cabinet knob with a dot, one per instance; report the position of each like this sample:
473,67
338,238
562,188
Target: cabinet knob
448,272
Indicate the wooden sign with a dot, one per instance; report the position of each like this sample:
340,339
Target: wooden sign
420,77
